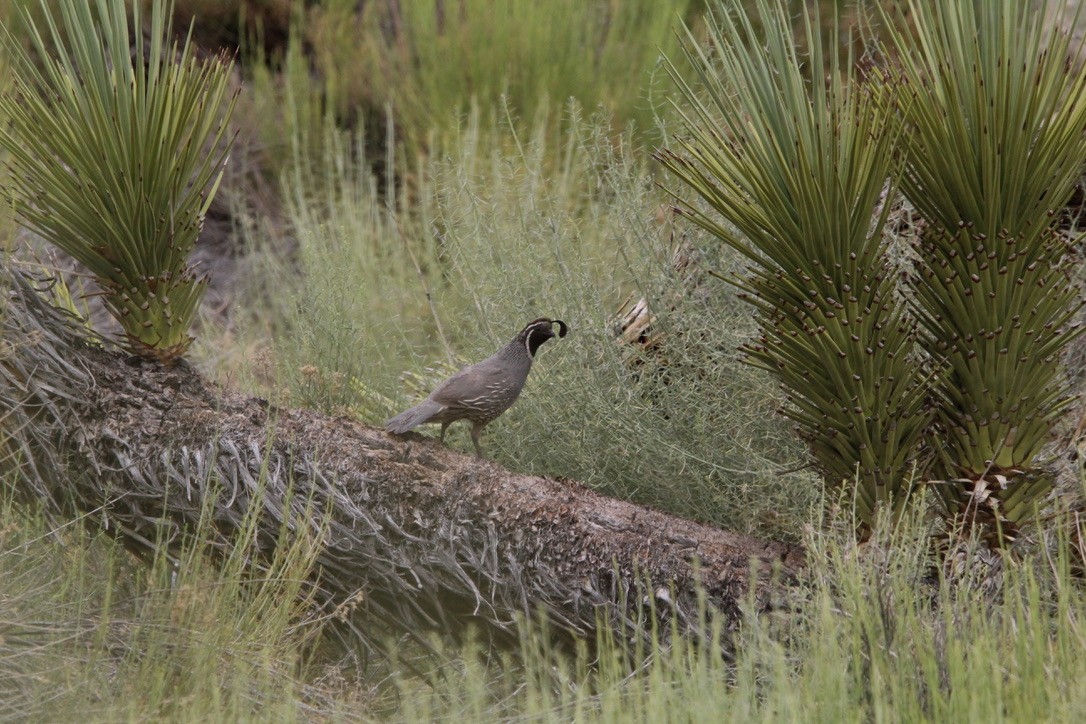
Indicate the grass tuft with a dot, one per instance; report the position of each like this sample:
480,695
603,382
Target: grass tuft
86,632
877,633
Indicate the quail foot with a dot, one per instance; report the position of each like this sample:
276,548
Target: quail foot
483,391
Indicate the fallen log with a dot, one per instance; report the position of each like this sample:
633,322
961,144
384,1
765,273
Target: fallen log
420,537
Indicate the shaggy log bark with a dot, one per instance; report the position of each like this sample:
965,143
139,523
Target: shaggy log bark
424,538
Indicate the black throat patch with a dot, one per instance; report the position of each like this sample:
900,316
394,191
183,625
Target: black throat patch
536,337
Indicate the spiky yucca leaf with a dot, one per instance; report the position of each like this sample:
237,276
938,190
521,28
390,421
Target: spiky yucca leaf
995,109
108,139
799,167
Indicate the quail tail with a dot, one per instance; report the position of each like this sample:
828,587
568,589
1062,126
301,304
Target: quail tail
414,417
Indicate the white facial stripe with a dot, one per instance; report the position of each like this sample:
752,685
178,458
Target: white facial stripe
538,327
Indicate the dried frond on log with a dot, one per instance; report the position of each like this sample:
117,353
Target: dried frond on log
425,538
635,321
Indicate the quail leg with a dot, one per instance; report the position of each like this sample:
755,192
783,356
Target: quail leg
444,427
476,430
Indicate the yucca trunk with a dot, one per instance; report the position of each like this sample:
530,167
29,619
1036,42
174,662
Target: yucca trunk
414,538
800,167
995,114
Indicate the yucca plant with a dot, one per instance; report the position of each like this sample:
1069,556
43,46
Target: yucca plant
116,146
995,107
801,168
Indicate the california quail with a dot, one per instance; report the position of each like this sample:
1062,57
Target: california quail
482,391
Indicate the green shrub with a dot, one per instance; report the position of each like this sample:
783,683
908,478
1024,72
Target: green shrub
993,109
995,106
801,170
108,160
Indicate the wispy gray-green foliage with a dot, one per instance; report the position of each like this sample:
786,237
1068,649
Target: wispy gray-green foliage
800,167
509,228
995,104
334,305
108,157
681,425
